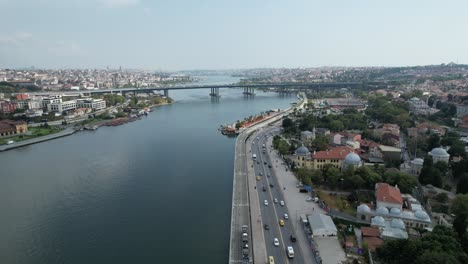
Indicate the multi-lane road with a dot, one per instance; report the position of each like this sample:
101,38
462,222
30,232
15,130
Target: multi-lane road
270,191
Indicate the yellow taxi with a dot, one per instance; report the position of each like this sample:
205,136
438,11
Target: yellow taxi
281,222
271,260
258,178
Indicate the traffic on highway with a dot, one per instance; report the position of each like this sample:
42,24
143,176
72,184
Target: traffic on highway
278,230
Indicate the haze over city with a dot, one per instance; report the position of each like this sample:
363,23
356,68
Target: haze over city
177,35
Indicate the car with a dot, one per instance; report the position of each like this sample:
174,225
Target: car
258,162
258,178
276,200
261,174
282,202
302,190
286,216
271,185
267,227
276,242
265,202
265,163
264,189
293,238
281,222
269,166
9,142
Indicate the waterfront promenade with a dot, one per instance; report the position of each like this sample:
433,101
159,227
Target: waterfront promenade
31,141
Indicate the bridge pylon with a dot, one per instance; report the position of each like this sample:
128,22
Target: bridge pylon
249,91
214,92
166,93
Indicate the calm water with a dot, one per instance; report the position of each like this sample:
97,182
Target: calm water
152,191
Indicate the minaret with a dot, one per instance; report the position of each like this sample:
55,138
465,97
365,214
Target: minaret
313,133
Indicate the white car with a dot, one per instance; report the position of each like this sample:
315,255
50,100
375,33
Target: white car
276,200
282,202
266,202
286,216
276,242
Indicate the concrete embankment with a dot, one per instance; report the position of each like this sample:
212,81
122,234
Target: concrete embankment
31,141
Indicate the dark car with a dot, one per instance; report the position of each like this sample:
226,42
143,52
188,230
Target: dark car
264,189
265,162
293,239
302,190
266,227
269,166
271,185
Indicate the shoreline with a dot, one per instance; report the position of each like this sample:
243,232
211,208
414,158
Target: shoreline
71,130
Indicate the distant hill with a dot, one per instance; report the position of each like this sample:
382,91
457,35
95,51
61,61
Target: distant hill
10,88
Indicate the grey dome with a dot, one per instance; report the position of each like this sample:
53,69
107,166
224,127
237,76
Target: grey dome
418,161
439,152
302,151
382,211
395,211
420,214
407,214
352,159
363,208
398,223
378,221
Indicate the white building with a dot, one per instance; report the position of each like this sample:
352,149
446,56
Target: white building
51,99
95,104
416,166
322,225
61,106
439,154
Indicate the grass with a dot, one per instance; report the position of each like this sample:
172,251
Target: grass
338,202
33,132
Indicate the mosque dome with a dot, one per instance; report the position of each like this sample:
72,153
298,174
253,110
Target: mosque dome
382,211
363,208
302,151
397,223
352,159
378,221
440,152
420,214
395,211
418,161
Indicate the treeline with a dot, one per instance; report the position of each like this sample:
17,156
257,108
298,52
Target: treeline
8,88
381,108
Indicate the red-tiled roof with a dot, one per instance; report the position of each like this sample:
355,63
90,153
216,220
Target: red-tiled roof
373,242
370,232
387,193
333,153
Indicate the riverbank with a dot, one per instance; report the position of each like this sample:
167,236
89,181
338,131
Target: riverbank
31,141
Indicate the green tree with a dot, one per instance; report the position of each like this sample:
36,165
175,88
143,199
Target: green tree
457,149
433,142
287,122
460,209
336,125
332,176
462,185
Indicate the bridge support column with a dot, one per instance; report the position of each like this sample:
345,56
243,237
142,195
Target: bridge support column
166,93
214,92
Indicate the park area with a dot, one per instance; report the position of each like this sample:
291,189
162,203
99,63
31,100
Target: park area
33,132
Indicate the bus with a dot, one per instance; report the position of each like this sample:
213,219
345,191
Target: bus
254,156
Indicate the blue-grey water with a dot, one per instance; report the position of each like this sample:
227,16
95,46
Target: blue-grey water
156,190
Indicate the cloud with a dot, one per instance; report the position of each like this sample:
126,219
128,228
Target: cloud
15,38
120,3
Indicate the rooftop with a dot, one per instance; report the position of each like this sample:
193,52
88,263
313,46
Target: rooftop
387,193
333,153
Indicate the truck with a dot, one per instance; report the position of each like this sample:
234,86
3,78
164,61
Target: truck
245,244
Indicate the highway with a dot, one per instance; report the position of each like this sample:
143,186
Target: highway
273,212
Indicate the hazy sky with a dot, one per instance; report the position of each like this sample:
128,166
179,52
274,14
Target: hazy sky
225,34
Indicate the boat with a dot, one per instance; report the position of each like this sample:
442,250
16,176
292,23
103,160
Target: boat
9,142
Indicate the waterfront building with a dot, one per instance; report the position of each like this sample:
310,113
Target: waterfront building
317,160
9,107
10,128
51,99
61,106
439,154
95,104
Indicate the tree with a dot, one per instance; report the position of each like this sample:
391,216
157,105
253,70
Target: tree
462,186
405,182
441,166
332,176
441,198
336,125
460,223
457,149
433,142
287,122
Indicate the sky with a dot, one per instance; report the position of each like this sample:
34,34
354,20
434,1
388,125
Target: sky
231,34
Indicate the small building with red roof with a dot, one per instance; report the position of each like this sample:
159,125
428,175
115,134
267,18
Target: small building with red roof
388,196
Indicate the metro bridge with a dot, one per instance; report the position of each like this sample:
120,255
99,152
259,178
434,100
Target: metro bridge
248,88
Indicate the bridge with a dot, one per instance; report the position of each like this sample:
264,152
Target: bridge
248,88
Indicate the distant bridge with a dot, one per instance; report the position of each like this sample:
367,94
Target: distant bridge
248,88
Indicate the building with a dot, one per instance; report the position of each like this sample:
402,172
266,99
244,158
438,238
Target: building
439,154
95,104
9,107
420,107
352,159
22,96
322,225
388,153
416,166
308,136
423,128
60,107
371,236
317,160
51,99
462,110
391,204
11,128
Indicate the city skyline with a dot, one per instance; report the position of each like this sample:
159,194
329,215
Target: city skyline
181,35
